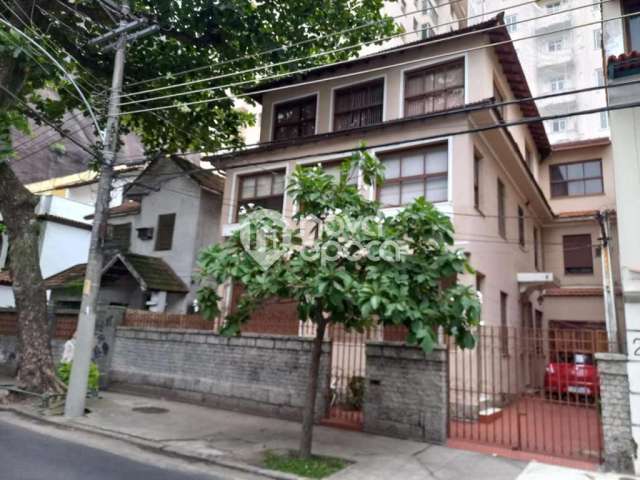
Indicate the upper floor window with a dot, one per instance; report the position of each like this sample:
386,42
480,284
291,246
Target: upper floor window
264,190
597,39
295,119
434,88
557,83
578,257
536,251
632,24
604,120
477,162
555,45
119,236
599,77
498,96
521,237
413,174
359,105
553,6
403,6
164,235
528,156
575,179
558,125
510,22
502,217
426,31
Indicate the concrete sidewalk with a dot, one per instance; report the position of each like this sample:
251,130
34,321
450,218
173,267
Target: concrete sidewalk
240,440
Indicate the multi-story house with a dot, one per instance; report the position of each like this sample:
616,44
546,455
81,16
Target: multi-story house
559,43
417,109
169,213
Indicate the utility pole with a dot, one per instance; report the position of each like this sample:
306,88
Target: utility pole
76,395
608,290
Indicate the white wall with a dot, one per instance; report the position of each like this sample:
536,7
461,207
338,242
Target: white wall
6,297
62,247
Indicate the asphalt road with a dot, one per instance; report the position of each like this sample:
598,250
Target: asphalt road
27,455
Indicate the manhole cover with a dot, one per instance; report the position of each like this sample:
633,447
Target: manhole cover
150,410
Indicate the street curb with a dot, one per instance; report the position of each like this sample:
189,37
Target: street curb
152,446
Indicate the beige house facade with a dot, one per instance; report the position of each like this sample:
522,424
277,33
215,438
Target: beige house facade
429,111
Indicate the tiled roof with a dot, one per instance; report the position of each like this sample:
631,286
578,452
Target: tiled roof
151,273
66,277
574,292
205,178
130,207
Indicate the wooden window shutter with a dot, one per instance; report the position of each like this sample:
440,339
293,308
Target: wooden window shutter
120,236
578,257
164,237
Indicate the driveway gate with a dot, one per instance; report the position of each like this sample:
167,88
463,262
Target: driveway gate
529,389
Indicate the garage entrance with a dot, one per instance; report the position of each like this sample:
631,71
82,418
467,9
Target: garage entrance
529,389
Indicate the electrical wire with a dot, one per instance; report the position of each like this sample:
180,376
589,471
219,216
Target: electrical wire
370,70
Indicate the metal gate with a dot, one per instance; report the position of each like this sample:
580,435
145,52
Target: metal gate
529,389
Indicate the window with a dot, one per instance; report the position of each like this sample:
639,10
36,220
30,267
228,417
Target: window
415,24
264,190
426,31
521,238
557,83
477,160
604,120
555,45
164,237
120,236
576,179
553,6
359,105
504,329
434,89
333,169
599,77
558,125
510,22
502,224
403,6
632,24
577,254
295,119
499,98
528,156
597,39
536,251
413,174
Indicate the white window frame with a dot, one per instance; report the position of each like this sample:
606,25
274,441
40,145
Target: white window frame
510,22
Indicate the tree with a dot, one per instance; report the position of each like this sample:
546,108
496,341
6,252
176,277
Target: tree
202,37
358,269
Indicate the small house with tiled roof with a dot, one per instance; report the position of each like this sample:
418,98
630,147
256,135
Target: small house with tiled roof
169,213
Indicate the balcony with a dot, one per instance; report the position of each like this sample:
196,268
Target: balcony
554,22
622,69
566,56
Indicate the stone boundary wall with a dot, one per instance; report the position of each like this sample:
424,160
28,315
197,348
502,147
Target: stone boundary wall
263,374
406,392
619,446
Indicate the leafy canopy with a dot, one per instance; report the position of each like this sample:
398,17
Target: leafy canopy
213,38
352,265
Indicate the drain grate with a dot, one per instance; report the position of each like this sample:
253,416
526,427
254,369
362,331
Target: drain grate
150,410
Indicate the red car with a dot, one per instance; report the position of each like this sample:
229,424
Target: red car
572,374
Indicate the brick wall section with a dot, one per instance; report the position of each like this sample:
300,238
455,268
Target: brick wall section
406,393
264,374
619,446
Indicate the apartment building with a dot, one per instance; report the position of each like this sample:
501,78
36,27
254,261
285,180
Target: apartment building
559,43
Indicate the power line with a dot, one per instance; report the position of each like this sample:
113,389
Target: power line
328,52
293,45
374,69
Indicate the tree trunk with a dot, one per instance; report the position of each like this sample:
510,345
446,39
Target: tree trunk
308,413
36,370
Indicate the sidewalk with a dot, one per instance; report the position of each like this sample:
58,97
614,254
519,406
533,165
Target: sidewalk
240,440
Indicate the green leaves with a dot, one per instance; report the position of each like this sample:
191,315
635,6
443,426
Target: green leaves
354,282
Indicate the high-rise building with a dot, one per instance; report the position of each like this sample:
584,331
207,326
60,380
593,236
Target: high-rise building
559,44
